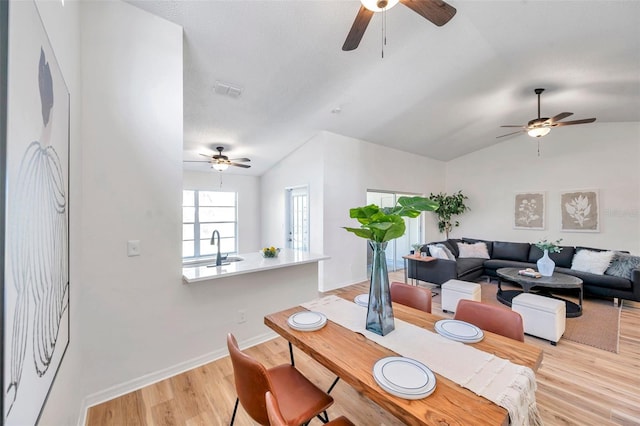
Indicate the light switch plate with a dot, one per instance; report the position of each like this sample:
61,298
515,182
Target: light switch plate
133,248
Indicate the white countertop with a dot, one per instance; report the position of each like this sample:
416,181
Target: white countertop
253,262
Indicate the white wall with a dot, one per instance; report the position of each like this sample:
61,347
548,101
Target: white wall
339,170
248,189
604,156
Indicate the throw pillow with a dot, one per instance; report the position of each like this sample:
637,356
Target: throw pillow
595,262
477,250
623,265
437,252
447,251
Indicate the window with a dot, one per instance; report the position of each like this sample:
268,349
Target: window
202,213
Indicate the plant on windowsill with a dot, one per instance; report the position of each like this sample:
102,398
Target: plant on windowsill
379,226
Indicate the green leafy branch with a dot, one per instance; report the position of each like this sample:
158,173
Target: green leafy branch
387,223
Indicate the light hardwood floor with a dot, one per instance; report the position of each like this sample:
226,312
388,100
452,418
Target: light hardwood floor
577,385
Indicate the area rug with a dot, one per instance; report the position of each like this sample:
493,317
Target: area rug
598,326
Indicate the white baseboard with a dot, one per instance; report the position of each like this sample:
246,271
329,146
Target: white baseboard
151,378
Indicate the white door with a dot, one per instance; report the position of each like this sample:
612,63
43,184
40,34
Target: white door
297,211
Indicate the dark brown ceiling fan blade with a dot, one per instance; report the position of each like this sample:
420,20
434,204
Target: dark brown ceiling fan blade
357,29
435,11
239,159
509,134
246,166
196,161
559,117
569,123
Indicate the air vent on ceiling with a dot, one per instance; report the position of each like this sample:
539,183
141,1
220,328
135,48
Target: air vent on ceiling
227,89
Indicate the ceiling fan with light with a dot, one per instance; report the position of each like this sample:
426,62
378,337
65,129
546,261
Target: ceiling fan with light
436,11
221,162
541,126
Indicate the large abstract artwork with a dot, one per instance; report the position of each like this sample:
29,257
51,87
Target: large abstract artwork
36,245
580,211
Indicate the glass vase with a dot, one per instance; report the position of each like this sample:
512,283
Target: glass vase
546,265
379,312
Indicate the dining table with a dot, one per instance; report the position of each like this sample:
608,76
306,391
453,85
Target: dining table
351,356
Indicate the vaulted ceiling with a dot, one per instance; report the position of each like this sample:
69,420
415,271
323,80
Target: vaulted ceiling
440,92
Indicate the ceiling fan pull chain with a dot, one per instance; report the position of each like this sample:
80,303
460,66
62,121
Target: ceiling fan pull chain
384,38
538,147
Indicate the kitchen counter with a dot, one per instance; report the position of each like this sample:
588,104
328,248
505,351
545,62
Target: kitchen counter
253,262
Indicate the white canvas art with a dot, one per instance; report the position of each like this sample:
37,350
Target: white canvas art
580,211
529,210
36,281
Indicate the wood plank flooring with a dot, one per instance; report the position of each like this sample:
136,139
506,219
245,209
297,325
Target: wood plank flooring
577,385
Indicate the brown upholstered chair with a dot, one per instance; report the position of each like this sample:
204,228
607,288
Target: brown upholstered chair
300,400
412,296
276,419
495,319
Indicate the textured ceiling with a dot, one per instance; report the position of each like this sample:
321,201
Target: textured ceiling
440,92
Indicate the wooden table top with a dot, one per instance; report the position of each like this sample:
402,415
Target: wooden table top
419,258
351,356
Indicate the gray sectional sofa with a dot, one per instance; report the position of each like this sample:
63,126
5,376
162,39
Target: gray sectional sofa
504,254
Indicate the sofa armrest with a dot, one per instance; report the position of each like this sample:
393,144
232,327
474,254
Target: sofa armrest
635,284
437,271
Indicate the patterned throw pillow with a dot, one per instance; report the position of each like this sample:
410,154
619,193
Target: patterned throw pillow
477,250
623,264
437,252
595,262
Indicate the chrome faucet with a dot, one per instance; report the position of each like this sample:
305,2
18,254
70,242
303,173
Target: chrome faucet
218,257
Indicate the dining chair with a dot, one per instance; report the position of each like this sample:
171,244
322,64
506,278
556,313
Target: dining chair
495,319
412,296
300,400
276,418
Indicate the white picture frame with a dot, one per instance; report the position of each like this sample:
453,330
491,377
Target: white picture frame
580,210
529,210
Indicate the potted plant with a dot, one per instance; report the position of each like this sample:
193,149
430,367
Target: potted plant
449,205
379,226
545,264
416,248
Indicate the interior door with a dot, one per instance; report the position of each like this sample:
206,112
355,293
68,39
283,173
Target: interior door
297,211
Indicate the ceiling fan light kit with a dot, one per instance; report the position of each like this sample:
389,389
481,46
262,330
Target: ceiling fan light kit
379,5
541,126
221,162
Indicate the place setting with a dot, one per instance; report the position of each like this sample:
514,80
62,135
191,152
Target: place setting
307,321
362,300
404,377
459,331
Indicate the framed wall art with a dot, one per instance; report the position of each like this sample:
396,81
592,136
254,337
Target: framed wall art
36,241
529,210
580,211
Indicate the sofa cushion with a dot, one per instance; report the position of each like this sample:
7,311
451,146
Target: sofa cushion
477,250
562,259
511,251
437,251
489,244
452,244
623,265
495,264
592,261
466,265
605,281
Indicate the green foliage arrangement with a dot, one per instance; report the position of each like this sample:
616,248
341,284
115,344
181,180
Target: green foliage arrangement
552,247
449,205
385,224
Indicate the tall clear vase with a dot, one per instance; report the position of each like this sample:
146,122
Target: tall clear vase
379,312
546,265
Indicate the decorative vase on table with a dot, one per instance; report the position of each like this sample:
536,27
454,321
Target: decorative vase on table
546,265
379,311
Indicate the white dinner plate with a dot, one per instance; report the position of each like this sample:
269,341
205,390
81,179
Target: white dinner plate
362,299
459,330
404,377
307,321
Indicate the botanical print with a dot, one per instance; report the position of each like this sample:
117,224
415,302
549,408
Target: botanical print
580,211
36,281
529,210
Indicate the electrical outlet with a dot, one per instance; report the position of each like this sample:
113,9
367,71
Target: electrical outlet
241,316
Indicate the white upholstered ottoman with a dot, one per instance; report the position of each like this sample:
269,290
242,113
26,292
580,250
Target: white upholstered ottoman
454,290
543,317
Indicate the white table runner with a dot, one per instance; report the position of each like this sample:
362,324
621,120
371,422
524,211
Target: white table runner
504,383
